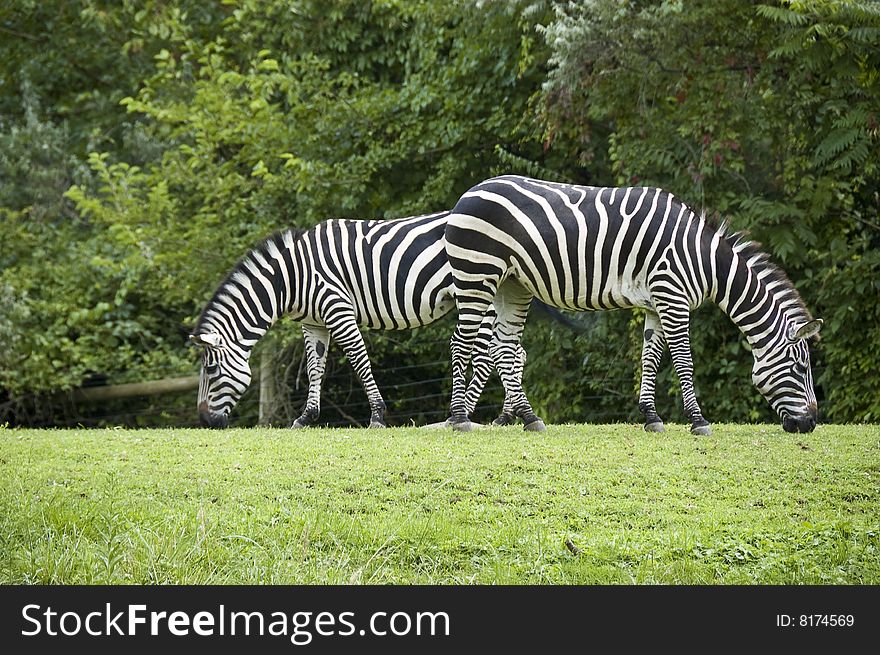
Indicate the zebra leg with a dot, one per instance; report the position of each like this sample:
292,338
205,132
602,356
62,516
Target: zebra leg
474,301
652,352
346,333
482,362
317,341
512,305
507,416
485,357
460,345
675,321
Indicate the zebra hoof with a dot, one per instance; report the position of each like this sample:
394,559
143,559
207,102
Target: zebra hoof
535,426
656,426
504,419
463,426
377,424
298,425
701,430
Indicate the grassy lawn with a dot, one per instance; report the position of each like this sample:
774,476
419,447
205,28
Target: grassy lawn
578,504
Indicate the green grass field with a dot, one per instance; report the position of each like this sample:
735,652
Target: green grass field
579,504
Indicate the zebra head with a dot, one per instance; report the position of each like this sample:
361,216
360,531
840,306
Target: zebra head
224,377
782,374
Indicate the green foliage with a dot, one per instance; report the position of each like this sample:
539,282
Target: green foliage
144,146
585,371
81,58
71,287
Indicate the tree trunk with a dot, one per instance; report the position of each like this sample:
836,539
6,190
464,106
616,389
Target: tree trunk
267,387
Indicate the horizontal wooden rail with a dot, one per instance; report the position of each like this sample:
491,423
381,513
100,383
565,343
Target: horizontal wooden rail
152,388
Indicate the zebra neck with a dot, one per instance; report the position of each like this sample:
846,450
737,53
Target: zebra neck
266,288
246,307
240,336
261,288
751,294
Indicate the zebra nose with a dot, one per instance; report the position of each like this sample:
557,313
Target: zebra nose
211,420
806,423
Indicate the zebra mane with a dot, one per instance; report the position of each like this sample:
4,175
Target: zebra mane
759,262
253,256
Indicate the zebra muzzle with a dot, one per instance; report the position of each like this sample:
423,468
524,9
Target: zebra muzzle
803,423
210,420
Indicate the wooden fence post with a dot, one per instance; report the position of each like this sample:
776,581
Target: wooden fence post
152,388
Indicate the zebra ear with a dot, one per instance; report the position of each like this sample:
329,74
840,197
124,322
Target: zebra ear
805,331
205,339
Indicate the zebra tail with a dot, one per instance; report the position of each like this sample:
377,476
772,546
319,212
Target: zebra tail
583,323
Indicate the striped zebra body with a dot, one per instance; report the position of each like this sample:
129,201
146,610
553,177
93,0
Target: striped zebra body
333,278
510,239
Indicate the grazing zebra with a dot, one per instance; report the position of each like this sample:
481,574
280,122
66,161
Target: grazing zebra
332,278
587,248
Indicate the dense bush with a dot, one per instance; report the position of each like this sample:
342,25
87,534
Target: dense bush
145,146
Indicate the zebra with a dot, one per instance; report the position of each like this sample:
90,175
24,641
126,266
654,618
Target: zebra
332,278
512,238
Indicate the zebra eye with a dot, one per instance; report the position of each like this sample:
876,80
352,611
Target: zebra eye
210,369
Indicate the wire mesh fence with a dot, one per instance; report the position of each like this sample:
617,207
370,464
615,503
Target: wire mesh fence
412,371
415,393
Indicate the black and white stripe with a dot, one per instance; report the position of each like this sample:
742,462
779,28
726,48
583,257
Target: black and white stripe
333,278
511,238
